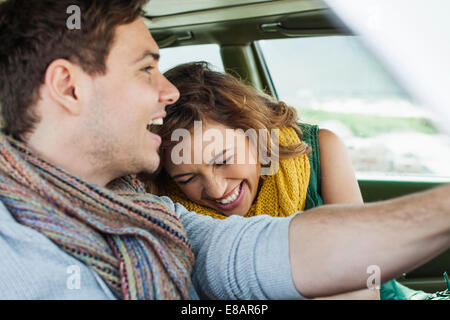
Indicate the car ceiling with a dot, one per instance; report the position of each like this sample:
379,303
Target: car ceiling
236,22
157,8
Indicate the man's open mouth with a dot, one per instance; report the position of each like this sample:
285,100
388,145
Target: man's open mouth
159,121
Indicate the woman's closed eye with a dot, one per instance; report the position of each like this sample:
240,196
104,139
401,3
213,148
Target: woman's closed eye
217,164
186,181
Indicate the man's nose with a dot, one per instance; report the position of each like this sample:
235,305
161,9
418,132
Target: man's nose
169,93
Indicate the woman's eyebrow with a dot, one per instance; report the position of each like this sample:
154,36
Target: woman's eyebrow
181,175
218,156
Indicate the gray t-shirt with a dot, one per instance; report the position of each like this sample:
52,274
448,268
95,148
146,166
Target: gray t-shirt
236,258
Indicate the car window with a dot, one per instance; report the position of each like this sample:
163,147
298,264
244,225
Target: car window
336,83
171,57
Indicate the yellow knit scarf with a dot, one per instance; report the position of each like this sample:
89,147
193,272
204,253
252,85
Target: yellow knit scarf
281,194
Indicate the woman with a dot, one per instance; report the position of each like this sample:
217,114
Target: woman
213,174
221,102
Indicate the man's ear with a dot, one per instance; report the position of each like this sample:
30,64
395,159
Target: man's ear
61,82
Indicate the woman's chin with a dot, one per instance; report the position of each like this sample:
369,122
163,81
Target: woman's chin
241,210
241,213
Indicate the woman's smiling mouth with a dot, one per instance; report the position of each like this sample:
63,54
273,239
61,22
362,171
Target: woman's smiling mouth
232,200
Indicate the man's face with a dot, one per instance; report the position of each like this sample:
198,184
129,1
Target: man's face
124,100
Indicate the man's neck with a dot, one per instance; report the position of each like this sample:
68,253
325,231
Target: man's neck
71,158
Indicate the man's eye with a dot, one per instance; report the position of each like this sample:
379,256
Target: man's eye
148,69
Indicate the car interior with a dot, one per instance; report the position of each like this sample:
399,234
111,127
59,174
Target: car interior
237,27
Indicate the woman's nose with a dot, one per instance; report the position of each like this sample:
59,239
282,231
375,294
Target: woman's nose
215,187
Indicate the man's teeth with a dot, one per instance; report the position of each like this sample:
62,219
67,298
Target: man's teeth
157,122
231,198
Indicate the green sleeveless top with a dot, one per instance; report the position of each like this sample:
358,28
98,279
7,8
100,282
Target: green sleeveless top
314,193
391,290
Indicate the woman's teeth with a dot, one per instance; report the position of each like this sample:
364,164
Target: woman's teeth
231,198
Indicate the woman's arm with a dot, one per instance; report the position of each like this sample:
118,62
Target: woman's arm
339,185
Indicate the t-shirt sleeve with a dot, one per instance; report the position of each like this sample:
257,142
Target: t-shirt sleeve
239,258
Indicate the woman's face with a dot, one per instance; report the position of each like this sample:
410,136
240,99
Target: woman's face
223,178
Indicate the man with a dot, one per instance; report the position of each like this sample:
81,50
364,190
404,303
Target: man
76,104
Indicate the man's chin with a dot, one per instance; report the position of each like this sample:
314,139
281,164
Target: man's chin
152,165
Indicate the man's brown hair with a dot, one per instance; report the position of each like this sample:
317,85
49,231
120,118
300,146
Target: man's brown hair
33,33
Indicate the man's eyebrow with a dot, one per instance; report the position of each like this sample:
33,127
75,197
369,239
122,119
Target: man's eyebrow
148,53
217,156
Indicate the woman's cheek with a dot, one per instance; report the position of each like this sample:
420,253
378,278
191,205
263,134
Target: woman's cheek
191,191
